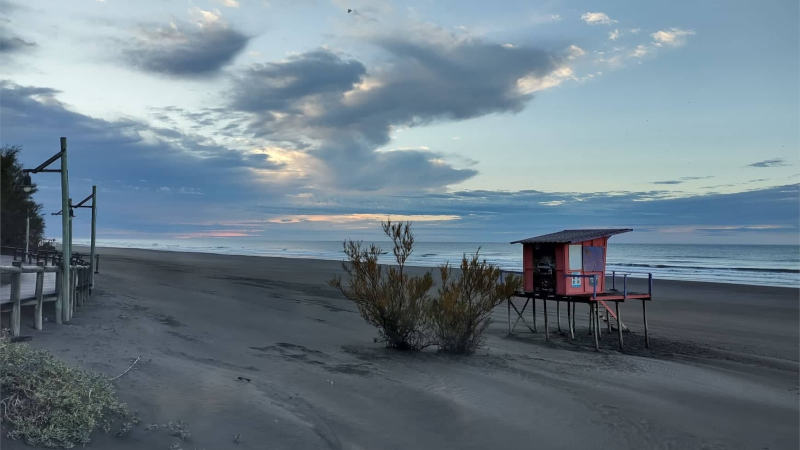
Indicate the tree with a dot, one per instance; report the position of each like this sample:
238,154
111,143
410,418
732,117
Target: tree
388,298
16,204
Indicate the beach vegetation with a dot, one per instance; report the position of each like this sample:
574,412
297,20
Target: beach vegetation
460,312
16,204
389,298
400,306
47,403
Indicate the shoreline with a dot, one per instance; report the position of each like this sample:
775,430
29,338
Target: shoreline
264,349
85,248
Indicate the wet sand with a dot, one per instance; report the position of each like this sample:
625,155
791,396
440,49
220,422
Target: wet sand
264,349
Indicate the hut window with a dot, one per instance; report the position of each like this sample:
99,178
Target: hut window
575,257
593,259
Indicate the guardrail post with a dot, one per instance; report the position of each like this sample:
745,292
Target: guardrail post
16,307
37,316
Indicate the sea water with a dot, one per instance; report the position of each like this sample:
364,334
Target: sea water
767,265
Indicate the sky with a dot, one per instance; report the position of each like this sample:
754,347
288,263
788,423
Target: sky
315,120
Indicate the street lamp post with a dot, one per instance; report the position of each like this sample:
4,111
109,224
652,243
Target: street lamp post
27,187
66,236
92,196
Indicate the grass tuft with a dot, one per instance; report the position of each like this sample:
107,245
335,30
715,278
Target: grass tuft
47,403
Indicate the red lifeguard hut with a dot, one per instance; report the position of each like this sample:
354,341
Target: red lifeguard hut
548,259
569,266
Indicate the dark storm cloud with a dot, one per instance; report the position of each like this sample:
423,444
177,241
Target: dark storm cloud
186,49
769,163
342,113
278,86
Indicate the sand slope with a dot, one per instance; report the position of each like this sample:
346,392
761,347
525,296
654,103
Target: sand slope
723,372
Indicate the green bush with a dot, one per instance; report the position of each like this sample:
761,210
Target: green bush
48,403
388,298
461,311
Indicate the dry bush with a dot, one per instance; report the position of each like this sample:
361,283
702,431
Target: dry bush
48,403
460,312
387,297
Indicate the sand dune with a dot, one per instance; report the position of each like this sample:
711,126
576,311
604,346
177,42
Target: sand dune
262,348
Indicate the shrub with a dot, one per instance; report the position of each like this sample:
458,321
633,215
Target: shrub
461,311
47,403
387,297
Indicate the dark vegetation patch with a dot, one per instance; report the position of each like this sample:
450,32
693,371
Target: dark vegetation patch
47,403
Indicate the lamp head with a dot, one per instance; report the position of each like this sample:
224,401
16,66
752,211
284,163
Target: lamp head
26,183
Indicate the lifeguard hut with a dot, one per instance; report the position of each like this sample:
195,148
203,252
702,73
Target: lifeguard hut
570,266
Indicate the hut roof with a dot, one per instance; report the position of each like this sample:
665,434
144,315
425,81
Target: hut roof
570,236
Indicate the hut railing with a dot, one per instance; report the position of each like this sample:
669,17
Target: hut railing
625,281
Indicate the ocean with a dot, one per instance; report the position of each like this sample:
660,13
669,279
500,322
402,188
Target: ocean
766,265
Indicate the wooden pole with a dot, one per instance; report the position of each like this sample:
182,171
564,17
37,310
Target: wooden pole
573,320
508,305
59,297
66,238
72,283
619,326
81,286
94,234
37,316
596,327
27,232
569,319
16,307
644,319
558,315
546,330
597,317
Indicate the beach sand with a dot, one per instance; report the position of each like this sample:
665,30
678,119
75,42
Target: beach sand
722,371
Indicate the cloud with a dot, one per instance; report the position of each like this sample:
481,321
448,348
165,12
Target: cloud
278,86
539,19
186,49
502,215
361,217
673,37
682,180
778,162
11,43
614,35
341,113
188,175
594,18
640,51
160,182
230,3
